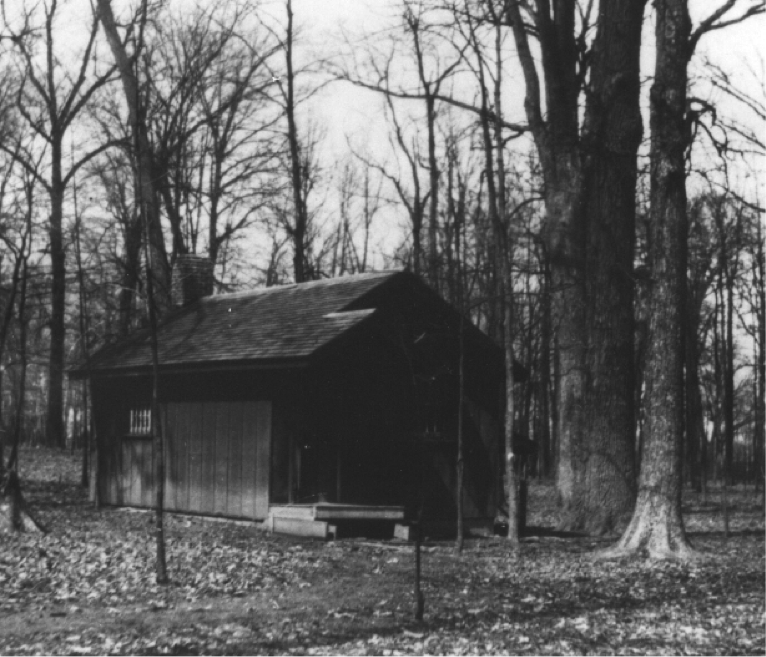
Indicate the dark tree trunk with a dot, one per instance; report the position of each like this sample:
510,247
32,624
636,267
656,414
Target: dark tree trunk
611,136
657,525
544,391
568,318
18,516
760,387
460,439
130,274
433,207
590,191
161,573
5,323
84,347
300,225
728,369
557,143
716,405
691,380
511,483
54,422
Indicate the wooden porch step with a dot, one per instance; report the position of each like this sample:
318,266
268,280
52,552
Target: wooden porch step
300,527
357,512
296,511
333,512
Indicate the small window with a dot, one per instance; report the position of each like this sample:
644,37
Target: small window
140,422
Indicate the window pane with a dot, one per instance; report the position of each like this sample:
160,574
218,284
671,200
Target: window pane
140,421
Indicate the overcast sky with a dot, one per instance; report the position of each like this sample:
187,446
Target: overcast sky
343,110
735,49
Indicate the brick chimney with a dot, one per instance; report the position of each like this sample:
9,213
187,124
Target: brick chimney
192,279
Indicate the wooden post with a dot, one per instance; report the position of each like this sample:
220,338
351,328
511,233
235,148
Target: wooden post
340,442
420,601
290,466
522,505
460,437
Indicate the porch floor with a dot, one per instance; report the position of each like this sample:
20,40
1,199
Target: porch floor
330,511
322,519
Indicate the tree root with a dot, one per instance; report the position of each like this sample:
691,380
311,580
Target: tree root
655,531
681,554
15,515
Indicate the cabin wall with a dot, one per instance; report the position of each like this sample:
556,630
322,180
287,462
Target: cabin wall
362,415
481,459
217,456
394,430
112,401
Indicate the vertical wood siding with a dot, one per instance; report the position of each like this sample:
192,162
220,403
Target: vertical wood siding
192,414
217,460
234,502
260,475
222,461
206,483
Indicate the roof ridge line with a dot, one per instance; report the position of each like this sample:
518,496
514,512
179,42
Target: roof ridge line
287,286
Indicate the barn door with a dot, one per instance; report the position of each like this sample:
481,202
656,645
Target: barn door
218,456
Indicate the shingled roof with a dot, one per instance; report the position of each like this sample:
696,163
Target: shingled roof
281,323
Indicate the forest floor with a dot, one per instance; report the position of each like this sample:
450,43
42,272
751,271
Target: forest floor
87,587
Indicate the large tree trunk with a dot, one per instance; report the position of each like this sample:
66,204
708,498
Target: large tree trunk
611,137
590,190
568,316
557,141
657,525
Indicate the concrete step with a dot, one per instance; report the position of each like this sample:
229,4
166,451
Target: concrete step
300,527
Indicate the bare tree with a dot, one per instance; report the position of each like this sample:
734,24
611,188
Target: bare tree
50,99
409,187
347,255
700,273
149,212
8,294
425,43
211,122
589,200
18,515
142,149
119,202
759,310
298,161
754,105
657,524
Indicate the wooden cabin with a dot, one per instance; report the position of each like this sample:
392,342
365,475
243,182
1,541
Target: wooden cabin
304,405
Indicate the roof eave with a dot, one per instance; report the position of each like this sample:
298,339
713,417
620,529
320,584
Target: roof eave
183,368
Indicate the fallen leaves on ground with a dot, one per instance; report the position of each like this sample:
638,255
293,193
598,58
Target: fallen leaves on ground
88,587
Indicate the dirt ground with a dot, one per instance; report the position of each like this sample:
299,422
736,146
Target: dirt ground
87,587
